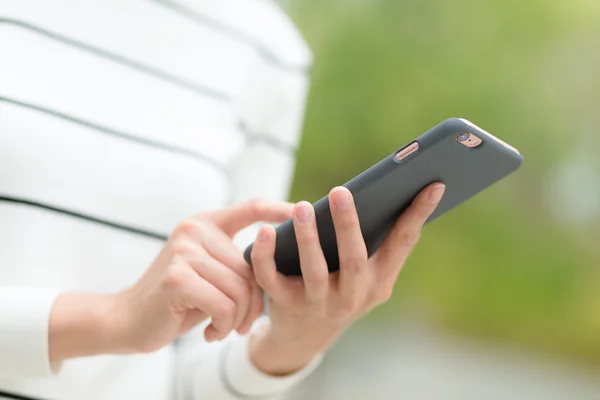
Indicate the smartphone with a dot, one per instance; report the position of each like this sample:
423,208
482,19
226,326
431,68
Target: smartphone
456,152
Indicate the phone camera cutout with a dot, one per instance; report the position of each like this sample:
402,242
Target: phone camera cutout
469,140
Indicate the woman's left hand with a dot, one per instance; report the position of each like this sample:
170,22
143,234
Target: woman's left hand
308,314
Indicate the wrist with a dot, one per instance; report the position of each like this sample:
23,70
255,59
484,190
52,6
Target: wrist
278,354
83,324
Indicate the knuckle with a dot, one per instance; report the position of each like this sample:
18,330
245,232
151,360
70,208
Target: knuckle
265,280
317,296
202,267
409,237
241,292
183,247
256,255
256,206
293,305
348,221
352,264
351,305
318,277
225,309
175,277
383,294
306,234
245,271
184,228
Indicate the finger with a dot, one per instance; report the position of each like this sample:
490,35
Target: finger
263,260
256,309
227,281
351,245
406,231
312,261
211,333
218,245
193,292
193,318
239,216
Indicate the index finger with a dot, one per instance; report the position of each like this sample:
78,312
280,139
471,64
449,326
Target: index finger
221,247
239,216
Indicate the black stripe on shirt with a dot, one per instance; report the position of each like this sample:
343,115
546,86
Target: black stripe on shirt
146,69
219,96
16,396
221,167
83,217
235,34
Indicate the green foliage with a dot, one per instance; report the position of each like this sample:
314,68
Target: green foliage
386,71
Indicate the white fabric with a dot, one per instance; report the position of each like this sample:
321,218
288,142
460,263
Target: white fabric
136,114
244,378
235,374
24,330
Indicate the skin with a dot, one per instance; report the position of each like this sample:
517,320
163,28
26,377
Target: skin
310,313
200,274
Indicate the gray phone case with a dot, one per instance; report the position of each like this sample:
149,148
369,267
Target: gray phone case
383,191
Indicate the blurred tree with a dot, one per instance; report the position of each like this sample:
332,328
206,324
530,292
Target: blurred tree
385,71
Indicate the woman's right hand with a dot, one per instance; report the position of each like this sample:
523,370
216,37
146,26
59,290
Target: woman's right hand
198,274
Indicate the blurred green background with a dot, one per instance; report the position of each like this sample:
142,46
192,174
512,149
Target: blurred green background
527,71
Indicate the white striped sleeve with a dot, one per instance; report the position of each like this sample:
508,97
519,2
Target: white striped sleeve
243,378
223,370
24,319
271,112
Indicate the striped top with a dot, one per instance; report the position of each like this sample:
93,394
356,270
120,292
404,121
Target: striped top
119,118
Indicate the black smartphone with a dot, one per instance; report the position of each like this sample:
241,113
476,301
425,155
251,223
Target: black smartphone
464,157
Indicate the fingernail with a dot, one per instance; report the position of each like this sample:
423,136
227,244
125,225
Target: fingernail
341,198
436,194
263,235
303,212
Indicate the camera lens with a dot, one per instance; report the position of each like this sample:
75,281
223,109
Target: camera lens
463,137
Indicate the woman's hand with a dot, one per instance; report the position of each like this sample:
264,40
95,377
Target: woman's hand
308,314
198,274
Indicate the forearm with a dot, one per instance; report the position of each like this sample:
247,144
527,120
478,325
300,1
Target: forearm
81,325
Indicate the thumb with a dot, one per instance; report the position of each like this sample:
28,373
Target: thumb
235,218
